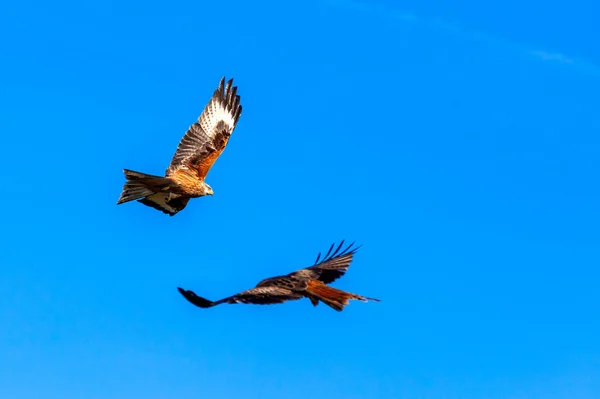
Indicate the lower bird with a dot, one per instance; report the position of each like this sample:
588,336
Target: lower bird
310,282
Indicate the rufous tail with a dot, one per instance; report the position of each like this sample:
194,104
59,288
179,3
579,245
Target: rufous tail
333,297
140,185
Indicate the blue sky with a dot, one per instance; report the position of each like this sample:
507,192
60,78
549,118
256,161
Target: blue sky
456,142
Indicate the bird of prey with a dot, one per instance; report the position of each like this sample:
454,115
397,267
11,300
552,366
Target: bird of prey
310,283
198,150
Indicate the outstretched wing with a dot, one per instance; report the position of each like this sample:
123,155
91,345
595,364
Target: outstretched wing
159,201
258,296
206,139
333,265
264,296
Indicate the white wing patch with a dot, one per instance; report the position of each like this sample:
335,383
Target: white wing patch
220,113
214,113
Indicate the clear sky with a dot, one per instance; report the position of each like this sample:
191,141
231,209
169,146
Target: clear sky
456,142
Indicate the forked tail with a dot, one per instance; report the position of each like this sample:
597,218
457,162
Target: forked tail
333,297
140,185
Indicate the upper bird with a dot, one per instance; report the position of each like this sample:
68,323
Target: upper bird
310,283
198,150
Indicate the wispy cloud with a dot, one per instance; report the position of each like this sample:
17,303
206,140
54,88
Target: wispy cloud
447,27
558,57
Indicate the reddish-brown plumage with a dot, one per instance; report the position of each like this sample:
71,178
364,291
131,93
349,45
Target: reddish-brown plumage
188,183
333,297
219,142
310,282
199,148
205,164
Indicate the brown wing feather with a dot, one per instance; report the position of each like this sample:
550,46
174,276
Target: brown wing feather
159,201
333,265
257,296
206,139
206,160
295,281
264,296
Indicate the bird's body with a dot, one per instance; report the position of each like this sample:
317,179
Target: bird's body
310,282
198,150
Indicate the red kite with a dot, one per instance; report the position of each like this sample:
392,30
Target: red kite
198,150
310,282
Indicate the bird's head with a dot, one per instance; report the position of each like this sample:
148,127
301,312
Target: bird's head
208,190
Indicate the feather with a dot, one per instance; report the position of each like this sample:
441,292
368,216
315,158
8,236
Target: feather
309,282
207,138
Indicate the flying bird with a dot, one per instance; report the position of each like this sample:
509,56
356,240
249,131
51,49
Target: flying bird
198,150
310,283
